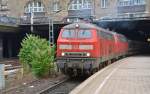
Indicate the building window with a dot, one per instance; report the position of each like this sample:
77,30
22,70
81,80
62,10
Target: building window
80,4
104,3
130,2
56,6
139,2
34,7
86,4
4,10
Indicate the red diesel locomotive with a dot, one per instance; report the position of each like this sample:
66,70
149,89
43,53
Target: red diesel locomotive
84,48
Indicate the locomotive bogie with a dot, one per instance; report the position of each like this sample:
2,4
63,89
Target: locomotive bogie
77,63
81,65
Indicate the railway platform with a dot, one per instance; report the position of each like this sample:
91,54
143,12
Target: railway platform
130,75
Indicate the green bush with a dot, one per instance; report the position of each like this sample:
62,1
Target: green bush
36,55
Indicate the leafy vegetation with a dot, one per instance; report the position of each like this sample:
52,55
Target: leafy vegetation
37,56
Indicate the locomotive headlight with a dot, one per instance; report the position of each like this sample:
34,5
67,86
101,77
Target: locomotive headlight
62,54
65,46
86,47
88,54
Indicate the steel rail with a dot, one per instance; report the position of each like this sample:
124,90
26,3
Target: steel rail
45,91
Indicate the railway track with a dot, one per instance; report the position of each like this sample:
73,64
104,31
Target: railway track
32,87
11,66
11,63
15,87
63,87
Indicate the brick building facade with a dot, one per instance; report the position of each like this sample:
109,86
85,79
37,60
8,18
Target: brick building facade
74,9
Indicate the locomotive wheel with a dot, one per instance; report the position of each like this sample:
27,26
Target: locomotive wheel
108,62
113,60
94,70
70,72
100,66
63,71
87,73
103,64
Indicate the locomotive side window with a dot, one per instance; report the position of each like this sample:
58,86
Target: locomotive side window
110,36
84,34
122,39
68,34
106,35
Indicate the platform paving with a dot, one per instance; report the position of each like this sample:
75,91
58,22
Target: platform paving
130,75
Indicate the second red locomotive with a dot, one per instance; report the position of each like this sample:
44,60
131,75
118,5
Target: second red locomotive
84,48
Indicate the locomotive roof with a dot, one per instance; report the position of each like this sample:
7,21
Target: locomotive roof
81,25
86,26
90,26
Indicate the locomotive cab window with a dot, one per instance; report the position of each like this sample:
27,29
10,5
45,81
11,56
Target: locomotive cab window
122,39
68,34
84,34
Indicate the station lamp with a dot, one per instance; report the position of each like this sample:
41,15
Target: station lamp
148,39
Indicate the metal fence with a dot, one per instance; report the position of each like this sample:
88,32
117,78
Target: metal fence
4,20
36,20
